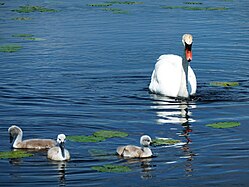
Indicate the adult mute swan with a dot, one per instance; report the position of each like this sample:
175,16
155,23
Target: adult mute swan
16,135
173,75
59,153
131,151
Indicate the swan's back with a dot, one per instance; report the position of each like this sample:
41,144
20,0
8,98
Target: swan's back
36,144
131,151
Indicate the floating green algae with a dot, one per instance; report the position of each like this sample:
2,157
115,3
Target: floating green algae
223,125
116,10
28,37
224,84
85,139
29,9
98,136
111,168
110,134
164,141
100,4
10,48
192,3
194,8
125,2
22,35
22,18
14,154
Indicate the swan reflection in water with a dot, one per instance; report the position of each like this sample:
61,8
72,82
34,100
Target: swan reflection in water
172,111
145,164
61,168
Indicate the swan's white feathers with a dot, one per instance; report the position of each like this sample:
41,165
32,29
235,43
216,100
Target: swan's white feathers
166,66
169,75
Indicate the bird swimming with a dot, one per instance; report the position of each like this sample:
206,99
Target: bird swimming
172,75
59,153
16,134
131,151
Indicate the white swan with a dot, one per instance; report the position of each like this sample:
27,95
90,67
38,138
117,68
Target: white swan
16,135
131,151
59,153
173,75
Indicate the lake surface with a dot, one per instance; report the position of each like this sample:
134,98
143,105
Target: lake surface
89,70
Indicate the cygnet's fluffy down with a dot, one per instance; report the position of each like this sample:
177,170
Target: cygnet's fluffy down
59,153
131,151
16,134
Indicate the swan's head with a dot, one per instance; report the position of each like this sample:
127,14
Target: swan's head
13,132
187,40
145,140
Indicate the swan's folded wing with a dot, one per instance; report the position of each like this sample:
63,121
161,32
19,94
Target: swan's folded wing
166,77
37,144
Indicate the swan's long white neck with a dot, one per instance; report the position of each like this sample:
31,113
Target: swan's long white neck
184,91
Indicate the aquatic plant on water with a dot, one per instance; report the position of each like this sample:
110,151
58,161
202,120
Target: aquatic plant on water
85,139
14,154
112,168
223,125
98,136
110,134
164,141
192,3
224,84
100,4
22,35
116,10
29,9
125,2
194,8
10,48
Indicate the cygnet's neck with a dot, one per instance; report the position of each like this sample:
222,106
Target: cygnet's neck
18,139
146,150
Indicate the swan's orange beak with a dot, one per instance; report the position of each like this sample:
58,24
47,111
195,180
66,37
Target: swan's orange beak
188,55
188,52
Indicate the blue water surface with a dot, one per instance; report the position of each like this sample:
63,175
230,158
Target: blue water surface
89,70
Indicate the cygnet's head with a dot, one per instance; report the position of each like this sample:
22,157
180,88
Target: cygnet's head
145,140
187,40
14,131
61,138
